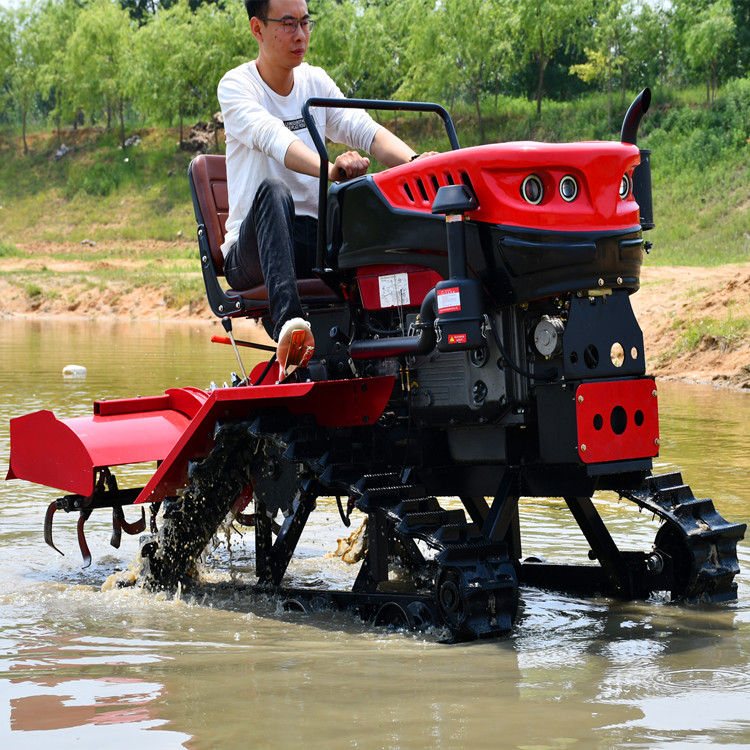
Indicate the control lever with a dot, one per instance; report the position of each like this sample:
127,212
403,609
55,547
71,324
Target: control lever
227,323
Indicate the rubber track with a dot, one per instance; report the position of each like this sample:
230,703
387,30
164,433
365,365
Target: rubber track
480,569
709,540
486,579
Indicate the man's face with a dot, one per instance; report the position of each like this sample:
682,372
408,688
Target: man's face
277,45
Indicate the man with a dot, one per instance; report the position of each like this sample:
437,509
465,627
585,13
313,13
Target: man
273,167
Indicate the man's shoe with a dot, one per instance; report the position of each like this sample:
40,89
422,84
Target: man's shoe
296,344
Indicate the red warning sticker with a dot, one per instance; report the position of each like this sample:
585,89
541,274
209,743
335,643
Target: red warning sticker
448,300
456,338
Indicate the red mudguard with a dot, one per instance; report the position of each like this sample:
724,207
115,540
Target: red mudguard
172,429
65,453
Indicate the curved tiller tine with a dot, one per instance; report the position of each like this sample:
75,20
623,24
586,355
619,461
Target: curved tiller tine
137,527
116,537
51,508
119,524
85,551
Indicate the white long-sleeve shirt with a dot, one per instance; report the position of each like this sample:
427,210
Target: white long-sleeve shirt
260,126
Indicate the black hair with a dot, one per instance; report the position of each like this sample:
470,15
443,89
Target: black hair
256,8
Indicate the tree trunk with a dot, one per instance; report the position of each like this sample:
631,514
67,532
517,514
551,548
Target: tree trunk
543,60
23,132
181,121
540,87
122,122
714,67
480,122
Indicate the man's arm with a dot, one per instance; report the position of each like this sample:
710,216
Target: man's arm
389,149
300,158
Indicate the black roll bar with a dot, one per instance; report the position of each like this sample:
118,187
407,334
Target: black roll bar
379,104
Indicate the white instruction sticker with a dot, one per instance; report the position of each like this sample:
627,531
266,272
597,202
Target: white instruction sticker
448,300
394,290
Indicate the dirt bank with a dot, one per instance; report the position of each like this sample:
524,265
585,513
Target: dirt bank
696,321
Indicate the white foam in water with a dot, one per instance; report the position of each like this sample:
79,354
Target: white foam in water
74,371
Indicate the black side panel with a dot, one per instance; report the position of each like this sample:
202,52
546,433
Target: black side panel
363,229
514,264
595,325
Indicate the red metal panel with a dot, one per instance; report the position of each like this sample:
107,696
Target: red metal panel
174,428
496,172
333,403
419,281
65,453
617,420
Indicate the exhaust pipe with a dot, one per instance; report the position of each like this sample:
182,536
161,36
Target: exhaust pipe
642,173
634,115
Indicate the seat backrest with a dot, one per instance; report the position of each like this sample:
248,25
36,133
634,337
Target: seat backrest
208,181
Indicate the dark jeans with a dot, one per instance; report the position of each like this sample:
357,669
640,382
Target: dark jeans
274,247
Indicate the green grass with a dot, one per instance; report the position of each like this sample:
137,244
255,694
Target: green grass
93,192
710,333
9,250
700,164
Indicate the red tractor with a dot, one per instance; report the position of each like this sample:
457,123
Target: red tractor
474,340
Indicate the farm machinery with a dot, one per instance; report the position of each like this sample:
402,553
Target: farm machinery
475,341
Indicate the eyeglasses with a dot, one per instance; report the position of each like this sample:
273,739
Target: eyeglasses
290,24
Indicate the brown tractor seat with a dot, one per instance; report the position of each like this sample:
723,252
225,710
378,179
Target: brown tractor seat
208,184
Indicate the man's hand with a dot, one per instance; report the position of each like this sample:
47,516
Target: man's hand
347,166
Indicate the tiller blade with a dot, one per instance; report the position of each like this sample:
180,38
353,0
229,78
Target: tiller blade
105,495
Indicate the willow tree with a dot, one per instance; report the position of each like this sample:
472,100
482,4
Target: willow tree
167,63
99,60
545,26
458,50
606,59
707,39
18,55
55,25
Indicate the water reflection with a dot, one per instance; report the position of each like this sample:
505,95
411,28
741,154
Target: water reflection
121,668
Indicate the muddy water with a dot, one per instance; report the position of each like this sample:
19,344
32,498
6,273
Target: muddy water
82,667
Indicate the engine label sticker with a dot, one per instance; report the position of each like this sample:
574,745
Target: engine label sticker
456,338
448,300
394,290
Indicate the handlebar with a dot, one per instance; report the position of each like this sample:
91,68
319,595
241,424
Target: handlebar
320,145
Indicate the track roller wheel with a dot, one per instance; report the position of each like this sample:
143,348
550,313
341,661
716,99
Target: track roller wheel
296,605
477,598
415,615
393,616
449,598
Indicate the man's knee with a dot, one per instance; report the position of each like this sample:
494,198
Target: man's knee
274,195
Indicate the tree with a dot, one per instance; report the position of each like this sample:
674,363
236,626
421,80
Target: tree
607,59
55,25
741,16
360,45
707,39
98,60
179,63
21,75
7,58
463,46
650,48
543,27
166,55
